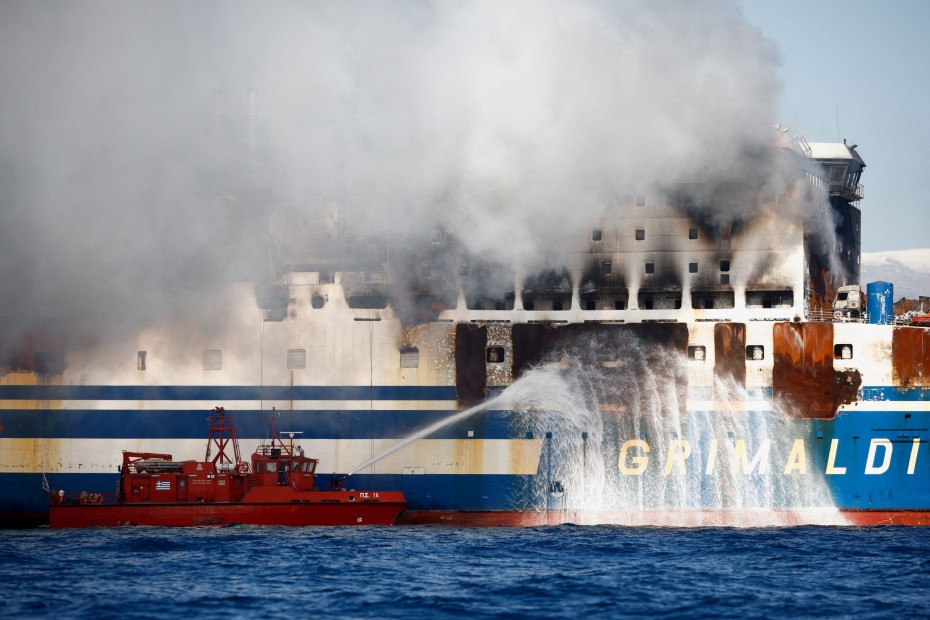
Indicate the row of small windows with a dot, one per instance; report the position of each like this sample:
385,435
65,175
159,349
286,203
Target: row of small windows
213,359
756,352
607,267
410,356
640,234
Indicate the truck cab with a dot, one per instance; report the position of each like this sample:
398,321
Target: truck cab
849,302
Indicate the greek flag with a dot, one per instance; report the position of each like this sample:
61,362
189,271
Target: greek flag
163,485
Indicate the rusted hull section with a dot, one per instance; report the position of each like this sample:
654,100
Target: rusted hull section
803,376
730,352
910,354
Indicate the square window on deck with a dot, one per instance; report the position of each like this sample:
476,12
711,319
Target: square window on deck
496,355
409,357
596,234
640,234
296,359
650,267
212,359
692,233
697,353
692,267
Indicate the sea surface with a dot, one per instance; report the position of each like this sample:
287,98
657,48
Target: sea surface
440,572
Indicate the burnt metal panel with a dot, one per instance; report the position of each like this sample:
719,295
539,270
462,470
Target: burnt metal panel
910,355
533,342
803,378
730,352
471,373
616,358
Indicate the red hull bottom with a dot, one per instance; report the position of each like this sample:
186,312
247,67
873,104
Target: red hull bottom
187,515
666,518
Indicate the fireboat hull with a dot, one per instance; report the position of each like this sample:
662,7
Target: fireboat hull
189,515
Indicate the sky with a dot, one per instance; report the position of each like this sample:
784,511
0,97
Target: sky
860,70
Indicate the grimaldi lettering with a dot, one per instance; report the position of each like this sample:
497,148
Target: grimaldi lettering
635,457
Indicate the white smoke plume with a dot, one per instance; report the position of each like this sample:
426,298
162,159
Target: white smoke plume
132,172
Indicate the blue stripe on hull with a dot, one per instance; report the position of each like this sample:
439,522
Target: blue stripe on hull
343,392
191,424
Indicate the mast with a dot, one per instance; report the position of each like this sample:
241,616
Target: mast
222,434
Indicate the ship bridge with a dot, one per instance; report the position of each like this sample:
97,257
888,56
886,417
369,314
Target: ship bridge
842,166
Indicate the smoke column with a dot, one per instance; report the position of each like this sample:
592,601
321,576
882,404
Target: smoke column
134,172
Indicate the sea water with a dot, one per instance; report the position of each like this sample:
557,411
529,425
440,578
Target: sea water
438,572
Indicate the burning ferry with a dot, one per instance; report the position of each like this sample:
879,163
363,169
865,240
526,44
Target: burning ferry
672,368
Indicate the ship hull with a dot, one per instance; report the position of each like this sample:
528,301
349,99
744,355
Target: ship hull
187,515
665,518
856,426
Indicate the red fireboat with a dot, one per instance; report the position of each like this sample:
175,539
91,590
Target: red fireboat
275,489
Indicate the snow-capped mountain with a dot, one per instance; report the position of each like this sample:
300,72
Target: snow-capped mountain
908,270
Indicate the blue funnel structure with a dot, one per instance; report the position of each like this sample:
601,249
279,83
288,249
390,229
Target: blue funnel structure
880,302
